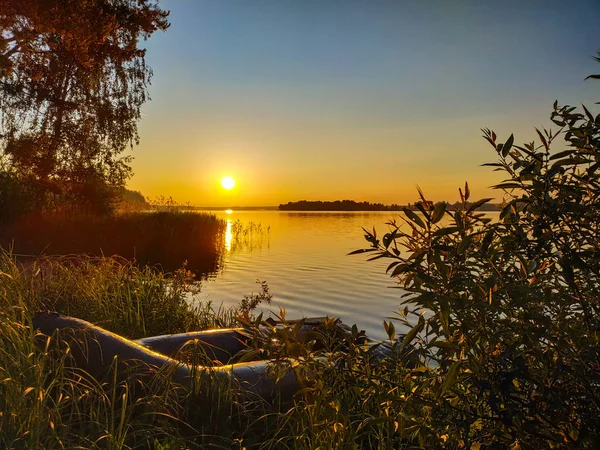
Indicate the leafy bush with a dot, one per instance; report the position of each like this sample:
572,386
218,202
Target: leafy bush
24,196
504,314
19,197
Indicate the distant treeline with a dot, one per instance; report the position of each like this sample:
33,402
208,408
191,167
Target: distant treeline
338,205
351,205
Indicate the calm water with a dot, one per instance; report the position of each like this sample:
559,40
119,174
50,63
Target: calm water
304,259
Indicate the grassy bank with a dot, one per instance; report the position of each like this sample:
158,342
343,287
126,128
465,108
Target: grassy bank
45,403
165,238
112,292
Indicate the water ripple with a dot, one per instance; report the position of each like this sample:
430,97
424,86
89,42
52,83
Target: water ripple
308,270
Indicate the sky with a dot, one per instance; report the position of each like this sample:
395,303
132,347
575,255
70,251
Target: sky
362,100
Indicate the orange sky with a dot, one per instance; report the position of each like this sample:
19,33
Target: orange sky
362,101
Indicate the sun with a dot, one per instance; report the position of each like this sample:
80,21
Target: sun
227,183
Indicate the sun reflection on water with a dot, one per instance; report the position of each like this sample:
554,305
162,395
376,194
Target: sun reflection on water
241,235
228,235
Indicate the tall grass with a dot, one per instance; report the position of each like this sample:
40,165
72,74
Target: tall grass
113,293
47,403
348,400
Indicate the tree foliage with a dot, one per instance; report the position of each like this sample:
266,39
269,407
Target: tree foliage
72,81
505,314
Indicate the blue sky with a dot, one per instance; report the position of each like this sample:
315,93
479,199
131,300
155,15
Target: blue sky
353,99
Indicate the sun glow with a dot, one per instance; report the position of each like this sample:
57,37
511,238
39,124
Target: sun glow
227,183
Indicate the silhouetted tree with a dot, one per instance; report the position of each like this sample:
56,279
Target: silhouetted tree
72,81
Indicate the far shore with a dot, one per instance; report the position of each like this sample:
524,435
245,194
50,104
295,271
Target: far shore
326,206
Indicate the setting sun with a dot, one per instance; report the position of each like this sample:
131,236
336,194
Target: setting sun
227,183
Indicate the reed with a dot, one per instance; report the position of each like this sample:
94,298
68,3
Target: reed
165,238
241,236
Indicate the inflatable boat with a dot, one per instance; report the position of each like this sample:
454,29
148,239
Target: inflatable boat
95,349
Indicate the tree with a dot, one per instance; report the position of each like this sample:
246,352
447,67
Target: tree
72,81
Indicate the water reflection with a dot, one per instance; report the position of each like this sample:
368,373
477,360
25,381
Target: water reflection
303,258
243,236
228,234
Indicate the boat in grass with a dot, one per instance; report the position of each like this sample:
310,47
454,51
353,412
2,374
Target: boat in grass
227,353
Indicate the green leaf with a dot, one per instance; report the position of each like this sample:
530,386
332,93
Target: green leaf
420,207
414,217
438,212
388,238
478,203
392,265
458,220
464,244
444,316
400,268
562,154
450,377
445,231
543,139
507,145
362,250
508,185
390,329
412,333
570,161
381,255
588,114
442,344
487,240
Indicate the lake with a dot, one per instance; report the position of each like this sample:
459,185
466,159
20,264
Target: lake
303,257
